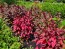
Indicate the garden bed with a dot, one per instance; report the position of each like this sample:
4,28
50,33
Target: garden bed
36,26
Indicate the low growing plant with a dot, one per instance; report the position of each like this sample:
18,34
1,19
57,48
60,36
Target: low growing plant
36,26
51,36
6,37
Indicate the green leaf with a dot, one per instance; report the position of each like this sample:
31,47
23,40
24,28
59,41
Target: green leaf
63,23
55,18
15,45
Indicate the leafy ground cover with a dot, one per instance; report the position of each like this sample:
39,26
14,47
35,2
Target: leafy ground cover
34,27
7,40
28,25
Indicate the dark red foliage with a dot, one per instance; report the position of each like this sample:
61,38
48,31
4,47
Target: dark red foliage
23,26
35,25
47,34
51,37
11,11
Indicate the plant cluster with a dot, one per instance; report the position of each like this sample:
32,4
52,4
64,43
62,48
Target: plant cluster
11,11
23,26
8,1
51,37
51,1
35,25
54,8
7,40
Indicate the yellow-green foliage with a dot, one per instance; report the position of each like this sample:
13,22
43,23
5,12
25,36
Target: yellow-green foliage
51,1
6,37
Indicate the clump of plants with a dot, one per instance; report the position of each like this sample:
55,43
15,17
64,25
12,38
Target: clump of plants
47,35
11,11
7,40
23,26
9,2
51,36
35,27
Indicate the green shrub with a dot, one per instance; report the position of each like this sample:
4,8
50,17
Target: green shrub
6,37
8,1
63,1
26,4
1,1
51,1
54,8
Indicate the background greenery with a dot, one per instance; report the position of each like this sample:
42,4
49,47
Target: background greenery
50,6
53,8
8,1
